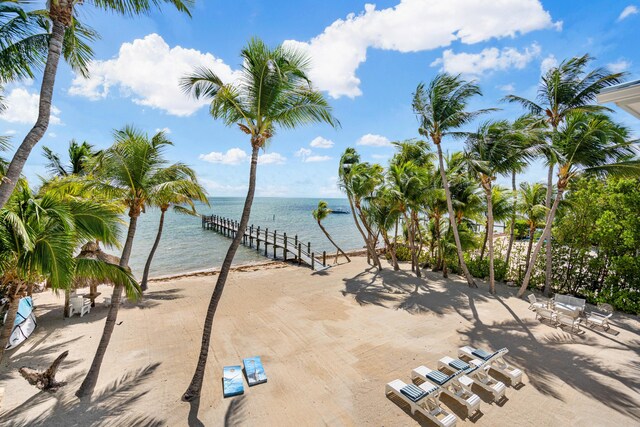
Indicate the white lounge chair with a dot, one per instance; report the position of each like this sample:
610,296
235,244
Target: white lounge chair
496,359
477,371
546,314
564,320
598,319
424,399
79,305
535,304
451,386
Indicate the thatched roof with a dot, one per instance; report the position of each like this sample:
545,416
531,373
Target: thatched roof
92,250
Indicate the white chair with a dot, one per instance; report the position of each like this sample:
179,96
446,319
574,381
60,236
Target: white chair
599,320
425,401
107,301
79,305
564,320
451,386
546,314
477,371
534,303
496,360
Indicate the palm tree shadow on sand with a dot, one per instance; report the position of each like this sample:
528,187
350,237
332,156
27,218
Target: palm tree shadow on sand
112,405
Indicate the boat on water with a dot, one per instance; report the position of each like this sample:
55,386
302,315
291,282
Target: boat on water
339,211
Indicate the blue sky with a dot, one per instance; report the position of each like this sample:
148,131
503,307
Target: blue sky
367,59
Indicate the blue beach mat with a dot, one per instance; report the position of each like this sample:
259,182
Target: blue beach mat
254,371
232,381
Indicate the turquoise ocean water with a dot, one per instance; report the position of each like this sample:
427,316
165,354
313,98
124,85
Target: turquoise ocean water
186,247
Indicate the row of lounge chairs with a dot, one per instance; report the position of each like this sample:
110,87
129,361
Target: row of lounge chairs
454,378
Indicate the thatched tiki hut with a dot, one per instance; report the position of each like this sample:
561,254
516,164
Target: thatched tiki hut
90,250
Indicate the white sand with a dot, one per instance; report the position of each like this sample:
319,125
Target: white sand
329,344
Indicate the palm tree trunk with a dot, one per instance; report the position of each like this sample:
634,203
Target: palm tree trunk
489,238
5,333
513,218
371,242
532,233
452,220
89,384
332,242
546,234
548,259
9,181
67,298
358,226
392,250
484,241
193,391
145,275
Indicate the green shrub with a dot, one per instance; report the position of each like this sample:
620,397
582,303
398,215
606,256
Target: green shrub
480,268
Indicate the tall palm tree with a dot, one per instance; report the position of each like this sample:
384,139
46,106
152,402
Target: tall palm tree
80,156
385,209
441,110
591,143
133,170
491,151
273,91
532,209
321,213
563,90
175,192
39,234
66,36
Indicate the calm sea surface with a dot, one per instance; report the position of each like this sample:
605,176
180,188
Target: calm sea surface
186,247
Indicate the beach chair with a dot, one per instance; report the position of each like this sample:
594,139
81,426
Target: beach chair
424,399
79,305
535,304
477,371
451,386
564,320
546,314
496,359
598,319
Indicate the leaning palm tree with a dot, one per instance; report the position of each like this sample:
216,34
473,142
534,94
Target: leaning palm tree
321,213
178,192
80,155
532,209
39,233
132,171
591,143
441,110
563,90
273,91
67,37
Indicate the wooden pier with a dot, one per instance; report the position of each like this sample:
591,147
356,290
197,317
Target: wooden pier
271,243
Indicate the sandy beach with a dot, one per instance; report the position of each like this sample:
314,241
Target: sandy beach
329,343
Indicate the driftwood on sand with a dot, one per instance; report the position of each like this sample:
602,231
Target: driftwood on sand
45,380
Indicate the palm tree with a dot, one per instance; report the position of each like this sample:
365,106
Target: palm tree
320,214
385,209
39,234
175,192
589,142
531,207
565,89
273,91
441,109
133,170
69,38
80,156
491,151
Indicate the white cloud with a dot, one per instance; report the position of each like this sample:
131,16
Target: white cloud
475,64
10,132
22,107
315,159
619,66
507,88
166,130
214,187
374,140
412,26
233,156
320,142
548,63
149,71
271,159
302,152
627,12
52,135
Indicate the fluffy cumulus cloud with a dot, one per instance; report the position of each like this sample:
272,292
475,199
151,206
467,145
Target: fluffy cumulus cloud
22,107
627,12
235,156
307,156
372,140
619,66
475,64
412,26
320,142
271,159
166,130
149,71
548,63
510,87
